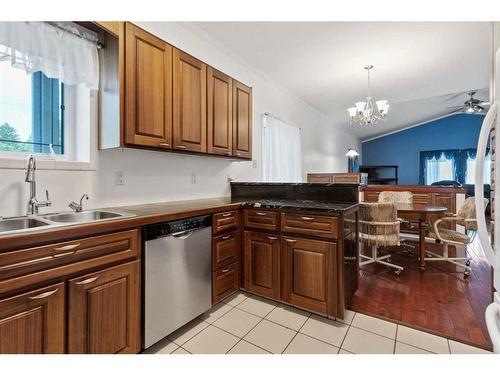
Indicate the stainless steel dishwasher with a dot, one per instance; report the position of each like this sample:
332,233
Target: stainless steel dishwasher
177,275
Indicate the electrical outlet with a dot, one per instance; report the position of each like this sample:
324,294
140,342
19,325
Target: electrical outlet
254,164
120,178
193,178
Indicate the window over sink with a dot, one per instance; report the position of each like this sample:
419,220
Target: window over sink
48,71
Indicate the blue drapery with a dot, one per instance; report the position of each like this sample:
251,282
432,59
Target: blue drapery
458,157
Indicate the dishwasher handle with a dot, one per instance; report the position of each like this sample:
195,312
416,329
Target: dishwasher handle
184,234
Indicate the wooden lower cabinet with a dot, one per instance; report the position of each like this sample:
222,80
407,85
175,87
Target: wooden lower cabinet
226,281
309,273
33,322
104,310
262,264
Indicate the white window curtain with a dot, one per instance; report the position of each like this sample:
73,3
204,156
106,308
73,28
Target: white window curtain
282,161
54,50
440,169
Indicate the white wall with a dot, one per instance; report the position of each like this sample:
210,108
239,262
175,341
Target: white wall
154,176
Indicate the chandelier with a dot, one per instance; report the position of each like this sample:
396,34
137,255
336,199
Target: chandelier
364,113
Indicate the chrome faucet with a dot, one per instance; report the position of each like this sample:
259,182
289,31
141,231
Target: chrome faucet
33,203
78,207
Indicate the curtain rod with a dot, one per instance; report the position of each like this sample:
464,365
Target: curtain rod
98,44
279,118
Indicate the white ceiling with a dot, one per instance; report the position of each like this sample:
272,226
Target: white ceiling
416,63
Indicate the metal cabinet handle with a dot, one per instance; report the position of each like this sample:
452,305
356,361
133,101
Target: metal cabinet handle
227,214
164,144
272,238
67,247
226,237
44,295
307,218
261,213
180,146
289,240
87,281
226,270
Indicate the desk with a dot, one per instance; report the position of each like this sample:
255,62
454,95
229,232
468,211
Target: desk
424,214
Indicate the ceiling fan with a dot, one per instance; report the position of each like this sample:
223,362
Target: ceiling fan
472,106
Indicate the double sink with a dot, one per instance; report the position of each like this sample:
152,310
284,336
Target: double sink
26,223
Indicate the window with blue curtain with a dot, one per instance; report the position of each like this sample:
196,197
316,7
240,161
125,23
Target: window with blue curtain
451,165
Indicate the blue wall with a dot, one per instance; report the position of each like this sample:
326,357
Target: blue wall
454,132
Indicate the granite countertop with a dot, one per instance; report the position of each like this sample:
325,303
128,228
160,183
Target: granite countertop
296,204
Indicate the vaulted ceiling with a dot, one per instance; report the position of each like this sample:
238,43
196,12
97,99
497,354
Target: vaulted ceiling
422,68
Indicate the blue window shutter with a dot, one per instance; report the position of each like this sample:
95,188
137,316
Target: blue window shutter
46,123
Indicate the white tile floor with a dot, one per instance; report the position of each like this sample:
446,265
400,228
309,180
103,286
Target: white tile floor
247,324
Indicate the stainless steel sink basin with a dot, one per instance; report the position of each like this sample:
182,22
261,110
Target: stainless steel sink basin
9,225
85,216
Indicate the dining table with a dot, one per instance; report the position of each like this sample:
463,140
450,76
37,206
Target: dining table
425,215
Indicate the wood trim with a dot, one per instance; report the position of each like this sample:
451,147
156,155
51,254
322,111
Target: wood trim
414,188
112,27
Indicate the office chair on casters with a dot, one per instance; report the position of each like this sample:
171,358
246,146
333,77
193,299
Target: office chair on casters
466,217
378,226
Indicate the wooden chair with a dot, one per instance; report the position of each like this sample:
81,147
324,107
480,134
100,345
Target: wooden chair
378,227
466,217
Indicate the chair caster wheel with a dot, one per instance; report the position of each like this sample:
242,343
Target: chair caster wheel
389,260
467,263
397,272
466,274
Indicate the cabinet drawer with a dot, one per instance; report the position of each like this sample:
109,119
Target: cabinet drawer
225,282
319,178
25,261
225,249
261,219
422,198
225,221
313,225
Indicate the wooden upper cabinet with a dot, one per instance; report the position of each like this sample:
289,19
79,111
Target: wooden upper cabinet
105,311
242,120
219,113
33,322
262,264
309,273
190,103
148,89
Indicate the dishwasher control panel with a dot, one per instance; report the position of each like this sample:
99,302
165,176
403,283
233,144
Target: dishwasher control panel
167,228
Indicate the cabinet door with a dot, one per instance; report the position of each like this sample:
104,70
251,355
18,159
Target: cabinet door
190,103
308,273
105,311
219,113
242,120
262,264
148,89
33,322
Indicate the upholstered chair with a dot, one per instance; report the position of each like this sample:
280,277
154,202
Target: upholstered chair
378,227
465,217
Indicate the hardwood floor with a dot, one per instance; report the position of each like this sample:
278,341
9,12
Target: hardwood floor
438,300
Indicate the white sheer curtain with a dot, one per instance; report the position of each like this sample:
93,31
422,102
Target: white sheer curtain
440,169
282,161
40,46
